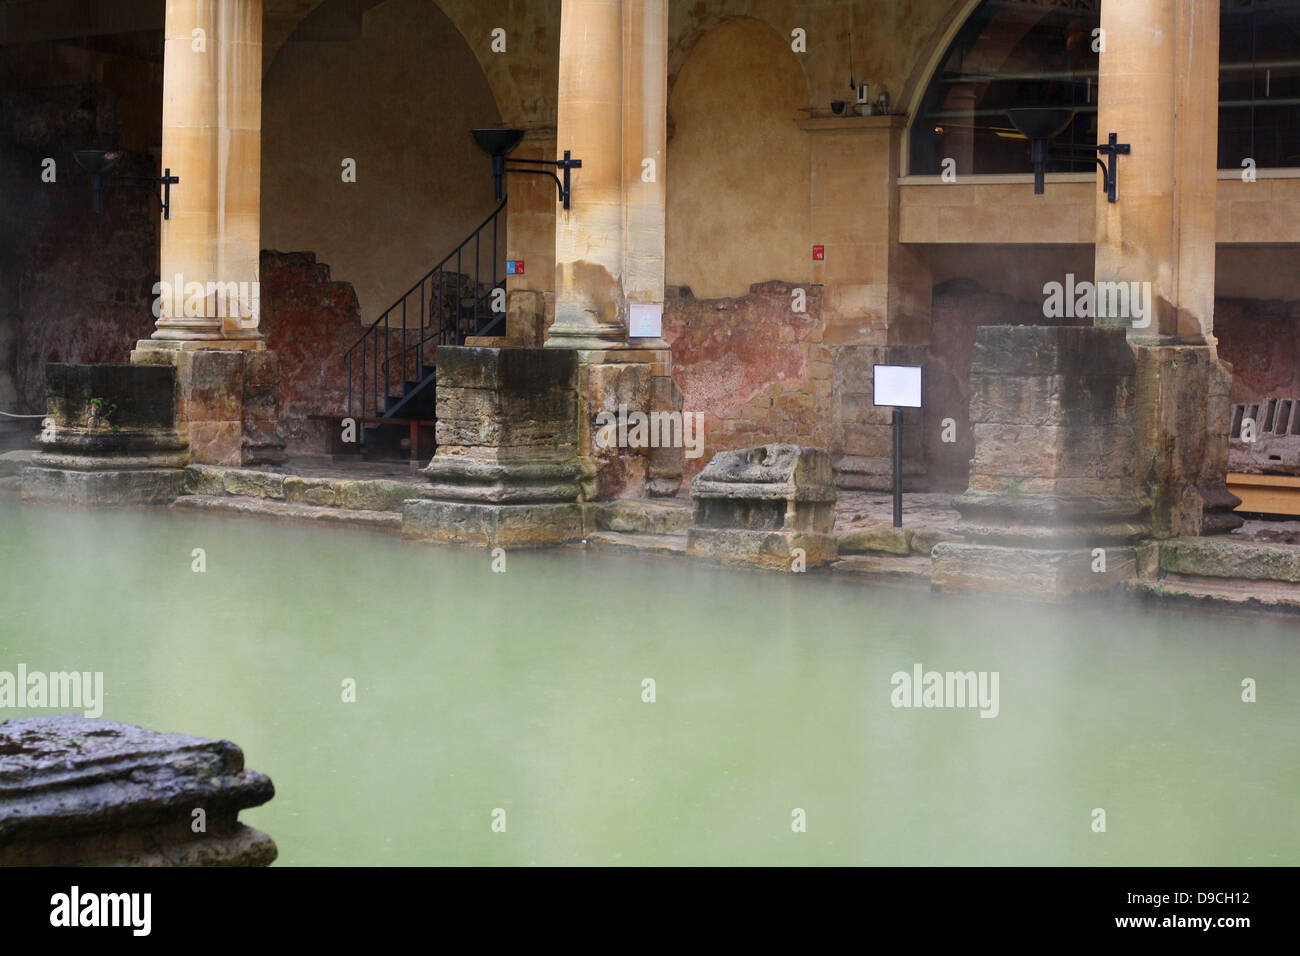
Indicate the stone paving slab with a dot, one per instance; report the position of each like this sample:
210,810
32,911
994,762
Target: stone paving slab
674,544
388,521
892,569
1271,532
345,467
13,462
644,515
1223,557
858,510
1222,592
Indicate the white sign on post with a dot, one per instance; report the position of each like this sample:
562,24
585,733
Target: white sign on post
645,320
898,385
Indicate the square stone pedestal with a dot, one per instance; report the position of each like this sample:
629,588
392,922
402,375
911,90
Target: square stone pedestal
109,437
227,400
506,473
1052,508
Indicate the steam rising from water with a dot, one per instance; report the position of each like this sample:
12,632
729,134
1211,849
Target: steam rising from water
522,691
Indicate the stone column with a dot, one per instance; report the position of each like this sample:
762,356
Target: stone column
1159,91
609,247
590,302
212,128
209,248
645,146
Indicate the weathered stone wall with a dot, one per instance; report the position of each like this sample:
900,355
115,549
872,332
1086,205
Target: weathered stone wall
753,367
1260,339
74,286
309,321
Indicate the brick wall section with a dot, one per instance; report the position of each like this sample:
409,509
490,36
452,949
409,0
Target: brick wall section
1260,339
756,369
310,321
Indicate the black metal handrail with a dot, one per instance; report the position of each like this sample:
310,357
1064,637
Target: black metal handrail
450,319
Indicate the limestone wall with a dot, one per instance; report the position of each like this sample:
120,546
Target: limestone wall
739,170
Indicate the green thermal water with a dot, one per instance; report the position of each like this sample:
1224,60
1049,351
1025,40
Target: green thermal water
523,691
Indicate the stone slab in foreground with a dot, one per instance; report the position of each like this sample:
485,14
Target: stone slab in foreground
75,791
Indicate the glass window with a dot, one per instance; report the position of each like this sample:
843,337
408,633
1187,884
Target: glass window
1024,53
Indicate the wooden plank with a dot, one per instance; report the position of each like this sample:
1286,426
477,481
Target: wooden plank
1279,481
1266,494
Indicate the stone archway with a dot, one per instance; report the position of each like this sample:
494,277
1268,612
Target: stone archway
420,183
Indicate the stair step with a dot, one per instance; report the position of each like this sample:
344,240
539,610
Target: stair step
13,462
910,569
1225,556
388,521
1263,595
642,543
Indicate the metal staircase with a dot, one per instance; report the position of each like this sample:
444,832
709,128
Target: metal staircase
391,370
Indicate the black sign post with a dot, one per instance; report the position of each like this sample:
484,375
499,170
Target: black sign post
897,387
898,467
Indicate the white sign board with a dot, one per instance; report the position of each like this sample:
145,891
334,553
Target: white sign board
646,320
898,385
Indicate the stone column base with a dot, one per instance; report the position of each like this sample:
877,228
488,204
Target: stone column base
1038,573
227,399
532,525
1182,441
505,473
1051,509
111,438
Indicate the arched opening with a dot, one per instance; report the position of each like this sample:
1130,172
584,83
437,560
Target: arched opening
1009,54
420,182
739,170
